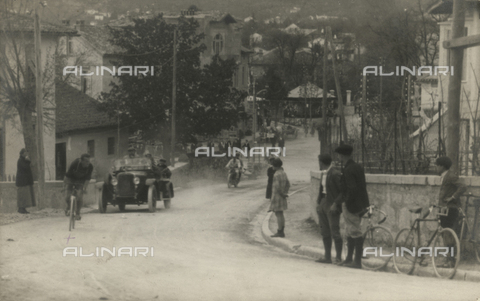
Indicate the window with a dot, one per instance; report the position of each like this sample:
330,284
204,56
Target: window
465,51
243,76
447,33
84,85
111,146
218,44
91,148
69,46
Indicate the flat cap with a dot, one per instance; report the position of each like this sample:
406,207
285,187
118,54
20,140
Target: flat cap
325,159
344,150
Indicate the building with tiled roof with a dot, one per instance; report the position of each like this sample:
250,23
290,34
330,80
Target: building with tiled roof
19,29
24,23
82,128
223,37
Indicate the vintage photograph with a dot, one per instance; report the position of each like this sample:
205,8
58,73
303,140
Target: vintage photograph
240,150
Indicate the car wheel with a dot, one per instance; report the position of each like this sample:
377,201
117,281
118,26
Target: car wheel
102,201
166,203
152,199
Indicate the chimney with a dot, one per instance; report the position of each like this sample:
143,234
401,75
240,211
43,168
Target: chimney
349,97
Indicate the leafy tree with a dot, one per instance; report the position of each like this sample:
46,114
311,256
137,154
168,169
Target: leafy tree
205,101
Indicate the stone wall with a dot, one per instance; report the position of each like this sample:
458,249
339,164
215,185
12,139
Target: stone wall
54,196
395,194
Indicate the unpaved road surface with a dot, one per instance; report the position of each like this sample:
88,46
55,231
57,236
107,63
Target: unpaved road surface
208,246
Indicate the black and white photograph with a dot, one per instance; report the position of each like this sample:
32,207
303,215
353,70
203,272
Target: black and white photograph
248,150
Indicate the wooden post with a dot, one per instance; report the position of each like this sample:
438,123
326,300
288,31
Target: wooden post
409,103
174,94
395,143
39,103
439,129
254,125
364,114
455,85
337,84
324,135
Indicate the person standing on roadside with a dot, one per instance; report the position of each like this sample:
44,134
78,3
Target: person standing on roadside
270,173
354,202
330,190
24,183
280,187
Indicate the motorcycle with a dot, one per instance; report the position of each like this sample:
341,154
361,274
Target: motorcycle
233,177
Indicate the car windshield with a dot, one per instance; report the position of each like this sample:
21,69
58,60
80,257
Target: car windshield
133,164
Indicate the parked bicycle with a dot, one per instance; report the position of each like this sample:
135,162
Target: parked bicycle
378,239
443,246
470,233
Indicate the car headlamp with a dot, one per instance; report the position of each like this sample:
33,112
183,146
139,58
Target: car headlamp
114,181
136,180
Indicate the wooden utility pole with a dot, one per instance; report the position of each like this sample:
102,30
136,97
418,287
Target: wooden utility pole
364,115
409,102
455,85
39,102
174,94
337,84
254,123
323,135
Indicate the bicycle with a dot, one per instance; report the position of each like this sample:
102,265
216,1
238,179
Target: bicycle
73,207
407,246
376,237
466,227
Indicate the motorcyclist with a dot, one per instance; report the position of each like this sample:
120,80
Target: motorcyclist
163,175
236,162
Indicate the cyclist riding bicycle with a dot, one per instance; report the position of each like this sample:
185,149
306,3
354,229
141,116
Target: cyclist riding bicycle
78,175
236,162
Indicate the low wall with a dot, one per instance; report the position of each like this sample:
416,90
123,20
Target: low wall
395,194
54,196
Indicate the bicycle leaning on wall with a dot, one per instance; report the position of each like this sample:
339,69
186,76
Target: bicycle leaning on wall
470,233
443,246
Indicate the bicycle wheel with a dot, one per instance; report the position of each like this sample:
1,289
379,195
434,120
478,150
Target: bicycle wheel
380,241
446,256
405,242
72,214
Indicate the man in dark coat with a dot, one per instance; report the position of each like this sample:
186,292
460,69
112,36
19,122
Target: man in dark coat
354,201
78,175
330,191
24,182
163,175
270,174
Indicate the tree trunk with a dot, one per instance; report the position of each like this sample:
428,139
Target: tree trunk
29,137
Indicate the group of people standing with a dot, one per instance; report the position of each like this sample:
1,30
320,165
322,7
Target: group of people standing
342,193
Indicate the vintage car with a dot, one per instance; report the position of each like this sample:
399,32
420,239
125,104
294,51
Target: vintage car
291,131
132,182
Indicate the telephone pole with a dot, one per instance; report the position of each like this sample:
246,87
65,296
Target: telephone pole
337,84
174,94
455,85
323,137
39,103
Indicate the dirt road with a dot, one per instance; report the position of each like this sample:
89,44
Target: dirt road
208,246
